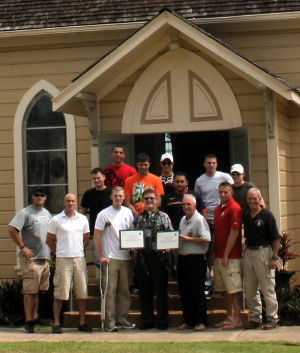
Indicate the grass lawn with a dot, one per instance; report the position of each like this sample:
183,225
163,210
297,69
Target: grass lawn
199,347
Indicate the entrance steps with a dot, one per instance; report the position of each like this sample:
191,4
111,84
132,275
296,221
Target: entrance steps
215,309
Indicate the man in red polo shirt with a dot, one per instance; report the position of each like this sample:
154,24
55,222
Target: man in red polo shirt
228,254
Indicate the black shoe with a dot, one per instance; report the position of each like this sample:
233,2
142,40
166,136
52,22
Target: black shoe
144,327
29,327
85,328
162,327
57,329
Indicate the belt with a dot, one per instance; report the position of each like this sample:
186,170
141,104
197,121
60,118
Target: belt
256,247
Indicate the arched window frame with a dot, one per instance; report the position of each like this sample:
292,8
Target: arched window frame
26,102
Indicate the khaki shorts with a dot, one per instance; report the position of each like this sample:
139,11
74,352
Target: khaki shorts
68,270
35,274
228,279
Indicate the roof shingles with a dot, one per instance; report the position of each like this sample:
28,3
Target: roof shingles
39,14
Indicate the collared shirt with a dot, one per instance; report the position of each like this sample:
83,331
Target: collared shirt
69,234
228,217
152,222
261,229
196,227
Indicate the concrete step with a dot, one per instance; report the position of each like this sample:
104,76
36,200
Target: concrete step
94,288
93,318
93,303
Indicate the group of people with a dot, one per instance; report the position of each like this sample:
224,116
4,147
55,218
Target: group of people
209,219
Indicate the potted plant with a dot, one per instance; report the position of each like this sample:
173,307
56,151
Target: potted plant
283,275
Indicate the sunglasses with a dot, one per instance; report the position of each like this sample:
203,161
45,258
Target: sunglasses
39,195
235,174
166,163
149,198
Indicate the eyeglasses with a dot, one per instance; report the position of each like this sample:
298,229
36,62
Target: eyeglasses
149,198
235,174
166,163
39,195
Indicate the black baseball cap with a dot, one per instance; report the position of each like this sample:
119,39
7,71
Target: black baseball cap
38,188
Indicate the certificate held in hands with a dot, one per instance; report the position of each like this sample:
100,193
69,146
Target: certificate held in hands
168,239
131,239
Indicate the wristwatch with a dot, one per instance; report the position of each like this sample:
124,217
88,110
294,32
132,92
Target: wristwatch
275,258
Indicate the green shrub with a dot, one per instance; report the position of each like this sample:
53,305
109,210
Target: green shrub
11,302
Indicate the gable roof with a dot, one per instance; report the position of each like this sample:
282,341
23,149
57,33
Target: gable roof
111,69
38,14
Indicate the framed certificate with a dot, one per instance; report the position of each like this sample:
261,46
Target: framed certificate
131,239
167,240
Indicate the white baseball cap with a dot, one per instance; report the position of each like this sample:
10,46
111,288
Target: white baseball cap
237,168
166,156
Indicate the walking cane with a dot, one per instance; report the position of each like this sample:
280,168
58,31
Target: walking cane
103,294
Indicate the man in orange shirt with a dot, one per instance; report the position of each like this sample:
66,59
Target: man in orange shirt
138,183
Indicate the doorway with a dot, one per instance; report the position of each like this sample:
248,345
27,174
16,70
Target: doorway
189,149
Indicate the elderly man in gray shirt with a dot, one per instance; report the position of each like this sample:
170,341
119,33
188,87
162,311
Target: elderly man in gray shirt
191,270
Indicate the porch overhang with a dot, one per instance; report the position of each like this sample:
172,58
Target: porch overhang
155,37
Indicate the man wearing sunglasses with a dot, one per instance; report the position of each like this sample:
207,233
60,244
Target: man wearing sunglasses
241,187
166,164
28,230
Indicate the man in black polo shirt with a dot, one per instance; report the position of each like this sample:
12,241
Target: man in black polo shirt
260,262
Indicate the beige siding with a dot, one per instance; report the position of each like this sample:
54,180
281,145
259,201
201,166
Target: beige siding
277,51
20,69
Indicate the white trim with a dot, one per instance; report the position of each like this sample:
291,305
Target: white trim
273,156
42,85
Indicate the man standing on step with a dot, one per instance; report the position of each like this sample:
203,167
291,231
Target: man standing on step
108,225
260,262
138,183
68,236
191,268
152,265
32,222
228,255
95,200
117,172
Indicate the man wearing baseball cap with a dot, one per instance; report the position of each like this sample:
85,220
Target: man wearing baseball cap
28,230
241,187
167,175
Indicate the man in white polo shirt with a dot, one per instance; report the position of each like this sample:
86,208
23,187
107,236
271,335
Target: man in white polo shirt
68,235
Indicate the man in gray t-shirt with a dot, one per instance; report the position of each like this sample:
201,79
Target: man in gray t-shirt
28,229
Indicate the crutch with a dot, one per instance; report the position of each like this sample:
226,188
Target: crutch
103,294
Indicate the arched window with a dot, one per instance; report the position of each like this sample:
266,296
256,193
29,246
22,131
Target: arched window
45,161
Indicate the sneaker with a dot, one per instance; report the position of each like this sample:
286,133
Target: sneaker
29,327
112,328
269,325
85,328
200,327
56,329
126,324
252,325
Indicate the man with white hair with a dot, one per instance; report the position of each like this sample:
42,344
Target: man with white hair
260,261
191,270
